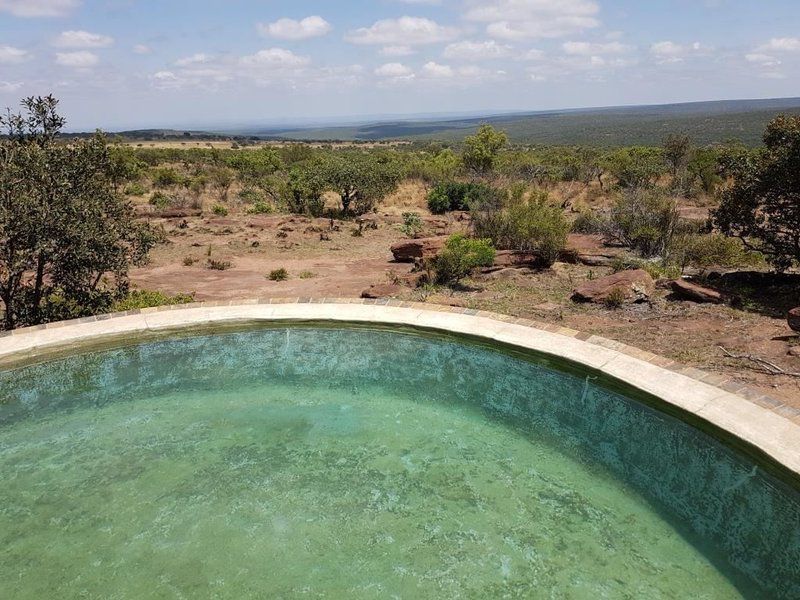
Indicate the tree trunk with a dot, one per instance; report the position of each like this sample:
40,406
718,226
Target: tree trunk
7,296
37,290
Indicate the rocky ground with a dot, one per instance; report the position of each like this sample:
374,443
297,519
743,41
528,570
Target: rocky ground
325,258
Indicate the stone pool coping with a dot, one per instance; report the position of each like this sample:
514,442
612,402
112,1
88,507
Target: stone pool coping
748,415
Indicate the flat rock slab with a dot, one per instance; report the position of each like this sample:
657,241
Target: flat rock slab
590,250
412,250
635,285
686,290
514,258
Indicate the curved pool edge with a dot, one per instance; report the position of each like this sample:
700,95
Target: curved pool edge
688,391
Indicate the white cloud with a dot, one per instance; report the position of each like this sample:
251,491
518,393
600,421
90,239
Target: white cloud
142,49
397,51
11,55
9,87
82,39
533,54
38,8
785,44
289,29
405,31
394,70
275,58
526,19
477,50
77,60
765,60
166,80
392,74
435,70
670,52
195,59
589,49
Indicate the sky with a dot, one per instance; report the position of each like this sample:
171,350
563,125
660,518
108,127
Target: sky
118,64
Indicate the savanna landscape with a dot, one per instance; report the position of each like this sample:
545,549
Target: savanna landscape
287,219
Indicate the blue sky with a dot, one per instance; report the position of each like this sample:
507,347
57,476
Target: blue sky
183,63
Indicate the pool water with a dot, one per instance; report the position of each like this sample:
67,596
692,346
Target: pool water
329,463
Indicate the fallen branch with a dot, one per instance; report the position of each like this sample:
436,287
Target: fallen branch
766,366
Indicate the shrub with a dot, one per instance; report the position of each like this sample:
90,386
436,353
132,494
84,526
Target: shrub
219,209
636,167
137,299
533,225
260,207
644,220
615,299
307,275
250,196
460,256
656,270
412,224
278,275
160,200
589,222
135,189
219,265
305,187
188,261
714,249
164,177
457,196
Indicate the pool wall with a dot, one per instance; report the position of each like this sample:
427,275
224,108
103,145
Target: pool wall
698,397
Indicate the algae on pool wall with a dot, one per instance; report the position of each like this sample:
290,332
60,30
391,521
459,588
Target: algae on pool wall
341,461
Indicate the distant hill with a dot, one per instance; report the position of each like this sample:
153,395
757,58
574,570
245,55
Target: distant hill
705,122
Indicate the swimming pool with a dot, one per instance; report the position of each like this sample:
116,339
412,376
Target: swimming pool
330,460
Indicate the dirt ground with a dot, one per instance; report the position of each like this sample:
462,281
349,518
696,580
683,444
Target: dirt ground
326,259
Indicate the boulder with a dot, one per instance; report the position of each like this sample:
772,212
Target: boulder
793,318
414,279
382,290
413,250
635,285
687,290
265,222
590,250
514,258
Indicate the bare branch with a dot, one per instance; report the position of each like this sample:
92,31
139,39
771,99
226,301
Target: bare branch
763,364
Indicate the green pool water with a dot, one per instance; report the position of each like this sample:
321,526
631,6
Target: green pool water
351,463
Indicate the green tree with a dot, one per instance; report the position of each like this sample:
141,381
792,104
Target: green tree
67,239
645,220
636,167
222,179
125,166
704,166
481,150
677,152
306,185
361,179
762,207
